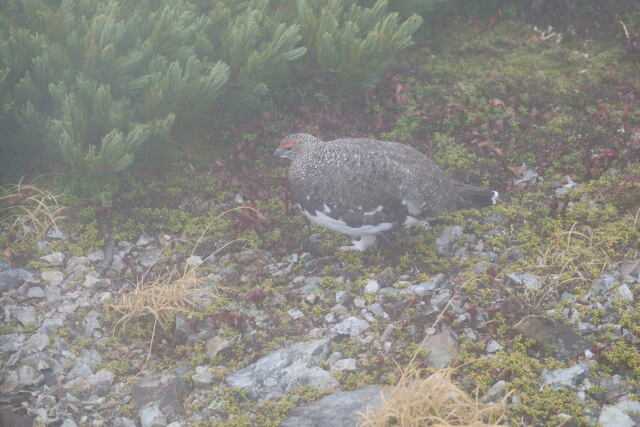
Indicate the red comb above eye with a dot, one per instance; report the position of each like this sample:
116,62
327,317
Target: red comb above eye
287,144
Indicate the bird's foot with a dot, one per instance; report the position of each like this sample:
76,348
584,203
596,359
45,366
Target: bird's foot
361,245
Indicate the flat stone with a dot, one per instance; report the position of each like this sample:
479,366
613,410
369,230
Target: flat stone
11,342
351,326
36,292
371,287
295,313
215,345
495,392
630,268
29,376
343,297
37,342
193,260
613,416
151,416
283,370
553,336
144,240
100,382
91,323
569,377
93,281
123,422
24,314
341,365
442,298
52,277
203,376
9,418
493,346
442,348
529,281
13,278
423,289
623,293
167,390
445,243
150,257
56,233
56,259
336,410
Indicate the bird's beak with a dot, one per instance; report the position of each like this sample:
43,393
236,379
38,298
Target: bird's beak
281,153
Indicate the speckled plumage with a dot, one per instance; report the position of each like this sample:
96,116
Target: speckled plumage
371,185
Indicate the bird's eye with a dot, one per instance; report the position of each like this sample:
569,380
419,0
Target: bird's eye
287,145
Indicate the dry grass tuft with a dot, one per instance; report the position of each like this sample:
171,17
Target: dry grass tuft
37,209
416,401
161,297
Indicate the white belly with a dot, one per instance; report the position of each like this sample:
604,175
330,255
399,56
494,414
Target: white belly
340,226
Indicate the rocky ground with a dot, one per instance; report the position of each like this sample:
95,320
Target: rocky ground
535,301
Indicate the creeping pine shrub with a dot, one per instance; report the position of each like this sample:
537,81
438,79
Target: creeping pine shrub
97,81
349,44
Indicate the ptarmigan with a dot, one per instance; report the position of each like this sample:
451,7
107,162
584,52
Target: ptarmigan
361,187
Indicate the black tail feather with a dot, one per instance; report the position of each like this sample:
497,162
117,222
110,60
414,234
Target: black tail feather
478,197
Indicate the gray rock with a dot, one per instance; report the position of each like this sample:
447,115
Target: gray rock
336,410
193,260
10,419
343,297
351,326
37,342
341,365
68,423
13,278
100,382
24,314
493,346
36,292
445,243
203,376
295,313
165,389
371,287
11,343
56,259
283,370
144,240
442,298
623,293
123,422
529,281
150,257
93,281
442,348
553,336
569,377
529,176
91,323
424,289
52,277
630,268
377,310
84,364
215,345
151,416
56,234
495,392
29,376
625,413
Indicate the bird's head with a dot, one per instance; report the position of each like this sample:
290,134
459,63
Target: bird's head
291,143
